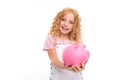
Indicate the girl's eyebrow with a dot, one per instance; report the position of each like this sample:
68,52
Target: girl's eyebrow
71,20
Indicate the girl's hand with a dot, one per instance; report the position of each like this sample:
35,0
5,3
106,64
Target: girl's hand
78,68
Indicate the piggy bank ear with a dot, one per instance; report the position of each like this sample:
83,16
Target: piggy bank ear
76,46
83,45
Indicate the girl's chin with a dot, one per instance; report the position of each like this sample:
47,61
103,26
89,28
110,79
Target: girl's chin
64,32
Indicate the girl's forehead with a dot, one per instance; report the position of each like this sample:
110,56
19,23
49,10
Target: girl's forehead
69,15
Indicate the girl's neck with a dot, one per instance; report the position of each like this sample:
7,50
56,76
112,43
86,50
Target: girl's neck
64,37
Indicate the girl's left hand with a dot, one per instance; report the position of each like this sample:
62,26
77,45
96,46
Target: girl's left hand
79,68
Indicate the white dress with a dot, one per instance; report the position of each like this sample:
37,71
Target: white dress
61,74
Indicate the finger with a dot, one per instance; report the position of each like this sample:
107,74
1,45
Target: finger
79,68
83,67
85,62
74,69
70,68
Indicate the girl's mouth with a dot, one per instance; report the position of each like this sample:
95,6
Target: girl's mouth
64,28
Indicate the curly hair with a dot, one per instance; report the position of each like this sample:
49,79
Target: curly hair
75,34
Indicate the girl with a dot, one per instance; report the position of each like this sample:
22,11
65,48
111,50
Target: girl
65,31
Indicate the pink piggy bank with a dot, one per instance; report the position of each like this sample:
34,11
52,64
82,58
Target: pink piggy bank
75,55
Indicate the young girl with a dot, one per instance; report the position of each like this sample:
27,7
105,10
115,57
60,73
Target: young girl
65,31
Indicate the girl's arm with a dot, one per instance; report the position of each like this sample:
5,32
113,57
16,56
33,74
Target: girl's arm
54,59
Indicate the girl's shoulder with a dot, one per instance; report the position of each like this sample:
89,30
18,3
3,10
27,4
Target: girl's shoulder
50,37
49,43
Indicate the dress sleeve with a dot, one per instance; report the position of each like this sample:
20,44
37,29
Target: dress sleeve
49,43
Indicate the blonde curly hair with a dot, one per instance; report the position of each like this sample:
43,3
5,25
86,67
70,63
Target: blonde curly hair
75,34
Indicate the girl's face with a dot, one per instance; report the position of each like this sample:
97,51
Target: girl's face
66,23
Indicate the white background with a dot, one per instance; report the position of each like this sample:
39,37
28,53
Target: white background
24,25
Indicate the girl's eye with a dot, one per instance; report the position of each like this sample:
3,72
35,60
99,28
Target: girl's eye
71,22
63,19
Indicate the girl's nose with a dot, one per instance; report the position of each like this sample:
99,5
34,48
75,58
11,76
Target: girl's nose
66,23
